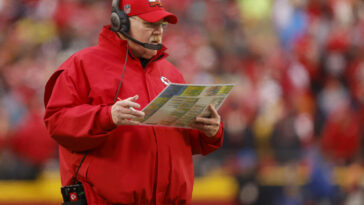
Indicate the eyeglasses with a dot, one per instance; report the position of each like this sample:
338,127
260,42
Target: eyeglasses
150,25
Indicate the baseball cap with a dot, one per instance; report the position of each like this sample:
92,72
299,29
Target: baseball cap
148,10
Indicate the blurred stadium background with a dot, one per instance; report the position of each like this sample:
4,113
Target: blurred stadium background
294,122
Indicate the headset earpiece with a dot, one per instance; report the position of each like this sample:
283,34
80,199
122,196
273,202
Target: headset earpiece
119,19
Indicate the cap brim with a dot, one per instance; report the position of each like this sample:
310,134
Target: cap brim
158,15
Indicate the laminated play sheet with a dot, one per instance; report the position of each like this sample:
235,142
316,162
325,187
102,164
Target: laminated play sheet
178,104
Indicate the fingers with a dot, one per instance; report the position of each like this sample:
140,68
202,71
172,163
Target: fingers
121,117
208,129
134,98
209,126
123,112
129,102
208,121
213,111
128,113
214,118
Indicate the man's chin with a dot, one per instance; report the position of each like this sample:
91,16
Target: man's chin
149,54
141,52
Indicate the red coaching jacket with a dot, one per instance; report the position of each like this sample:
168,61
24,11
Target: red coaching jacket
124,164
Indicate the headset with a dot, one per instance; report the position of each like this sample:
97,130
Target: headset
120,23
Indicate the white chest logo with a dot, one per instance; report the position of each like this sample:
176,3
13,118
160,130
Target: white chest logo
165,80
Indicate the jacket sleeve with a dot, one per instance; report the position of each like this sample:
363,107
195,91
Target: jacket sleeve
70,118
202,144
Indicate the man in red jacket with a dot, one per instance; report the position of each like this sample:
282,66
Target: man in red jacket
92,101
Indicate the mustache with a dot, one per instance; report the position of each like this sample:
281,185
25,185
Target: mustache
155,39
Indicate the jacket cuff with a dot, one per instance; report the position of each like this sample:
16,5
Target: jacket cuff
106,119
217,137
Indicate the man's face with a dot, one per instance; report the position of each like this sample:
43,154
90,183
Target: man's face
145,32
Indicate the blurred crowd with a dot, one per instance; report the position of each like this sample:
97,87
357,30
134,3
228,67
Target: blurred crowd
297,104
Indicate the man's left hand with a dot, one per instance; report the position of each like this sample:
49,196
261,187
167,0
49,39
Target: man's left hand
209,126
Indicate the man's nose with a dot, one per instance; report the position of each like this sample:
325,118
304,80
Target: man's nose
158,30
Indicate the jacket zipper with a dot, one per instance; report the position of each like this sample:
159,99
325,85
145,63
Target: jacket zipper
155,136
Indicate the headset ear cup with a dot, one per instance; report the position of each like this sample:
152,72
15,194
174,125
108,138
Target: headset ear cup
115,21
125,23
119,19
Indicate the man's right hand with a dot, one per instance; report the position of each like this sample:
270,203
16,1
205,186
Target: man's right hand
123,112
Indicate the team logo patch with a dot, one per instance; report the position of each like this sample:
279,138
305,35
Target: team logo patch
165,80
73,196
153,3
127,8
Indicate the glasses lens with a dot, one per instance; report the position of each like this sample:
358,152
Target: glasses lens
152,25
164,25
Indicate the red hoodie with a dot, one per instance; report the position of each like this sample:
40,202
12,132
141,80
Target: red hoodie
124,164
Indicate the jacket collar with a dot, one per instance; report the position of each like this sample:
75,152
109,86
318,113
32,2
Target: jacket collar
111,41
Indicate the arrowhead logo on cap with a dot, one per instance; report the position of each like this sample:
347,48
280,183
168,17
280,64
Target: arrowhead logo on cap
153,3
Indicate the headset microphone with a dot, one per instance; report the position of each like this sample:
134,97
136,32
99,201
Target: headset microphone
120,23
145,45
